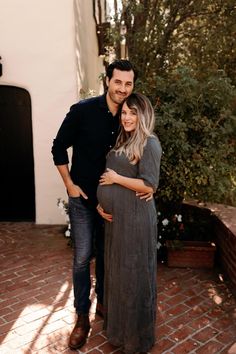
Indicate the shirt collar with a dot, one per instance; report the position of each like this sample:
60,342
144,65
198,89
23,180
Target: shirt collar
103,104
103,101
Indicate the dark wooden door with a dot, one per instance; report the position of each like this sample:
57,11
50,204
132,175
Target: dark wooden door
17,192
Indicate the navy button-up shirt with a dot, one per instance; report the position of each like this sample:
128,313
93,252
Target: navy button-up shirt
91,130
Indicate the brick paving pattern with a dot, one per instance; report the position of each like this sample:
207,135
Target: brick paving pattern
196,311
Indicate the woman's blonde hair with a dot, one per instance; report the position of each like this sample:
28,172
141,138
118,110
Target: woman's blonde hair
132,145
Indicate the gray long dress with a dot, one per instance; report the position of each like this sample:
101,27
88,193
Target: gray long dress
130,253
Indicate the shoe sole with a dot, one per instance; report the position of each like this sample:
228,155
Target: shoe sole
72,347
77,346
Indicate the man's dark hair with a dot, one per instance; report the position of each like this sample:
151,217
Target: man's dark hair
120,64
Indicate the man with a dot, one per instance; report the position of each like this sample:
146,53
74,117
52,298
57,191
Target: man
91,129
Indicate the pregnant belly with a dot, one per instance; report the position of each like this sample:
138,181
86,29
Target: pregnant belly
104,196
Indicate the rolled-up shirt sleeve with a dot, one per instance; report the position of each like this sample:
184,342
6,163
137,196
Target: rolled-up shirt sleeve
65,137
149,164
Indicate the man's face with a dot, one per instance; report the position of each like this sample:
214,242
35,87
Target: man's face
120,85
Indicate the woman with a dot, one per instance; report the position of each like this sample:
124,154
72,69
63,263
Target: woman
130,239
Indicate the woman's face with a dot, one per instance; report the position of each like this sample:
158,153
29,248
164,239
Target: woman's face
129,118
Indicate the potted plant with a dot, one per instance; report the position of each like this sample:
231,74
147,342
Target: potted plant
186,239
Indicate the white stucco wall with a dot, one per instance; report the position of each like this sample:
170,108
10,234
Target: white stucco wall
38,50
89,66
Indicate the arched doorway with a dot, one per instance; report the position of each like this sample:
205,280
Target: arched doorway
17,192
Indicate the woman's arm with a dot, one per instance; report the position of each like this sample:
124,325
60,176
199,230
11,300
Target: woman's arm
135,184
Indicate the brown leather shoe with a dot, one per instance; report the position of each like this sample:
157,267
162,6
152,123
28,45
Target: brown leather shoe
100,310
80,332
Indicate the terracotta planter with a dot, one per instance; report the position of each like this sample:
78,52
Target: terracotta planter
192,254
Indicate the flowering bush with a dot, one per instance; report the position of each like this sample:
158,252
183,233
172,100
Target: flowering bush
63,206
170,229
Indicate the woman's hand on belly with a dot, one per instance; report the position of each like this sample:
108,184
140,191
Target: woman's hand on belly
108,177
106,216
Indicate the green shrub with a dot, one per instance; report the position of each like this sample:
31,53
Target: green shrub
196,124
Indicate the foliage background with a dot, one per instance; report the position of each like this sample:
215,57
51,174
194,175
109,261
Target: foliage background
185,54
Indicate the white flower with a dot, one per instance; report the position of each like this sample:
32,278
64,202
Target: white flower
67,233
179,218
158,213
158,245
61,205
165,222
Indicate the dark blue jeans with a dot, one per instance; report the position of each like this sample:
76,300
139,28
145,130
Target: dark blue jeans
87,232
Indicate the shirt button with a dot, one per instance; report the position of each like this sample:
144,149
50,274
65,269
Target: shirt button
110,146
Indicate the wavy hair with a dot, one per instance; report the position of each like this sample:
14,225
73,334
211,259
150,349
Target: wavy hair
132,144
122,65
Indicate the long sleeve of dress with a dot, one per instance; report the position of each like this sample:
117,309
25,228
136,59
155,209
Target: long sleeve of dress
149,165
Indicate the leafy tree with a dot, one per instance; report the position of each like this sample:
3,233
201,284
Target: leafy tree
185,54
163,34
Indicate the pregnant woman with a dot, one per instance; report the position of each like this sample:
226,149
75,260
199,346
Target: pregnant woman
130,238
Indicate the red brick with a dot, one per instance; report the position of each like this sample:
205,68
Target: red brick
173,290
185,347
161,346
216,312
12,316
226,337
198,310
97,327
14,294
94,341
179,321
163,331
107,348
35,315
189,292
20,306
176,300
210,347
48,296
17,286
49,328
162,297
6,311
7,278
177,310
29,294
231,349
204,335
181,334
8,302
194,301
5,328
200,322
222,323
163,307
176,287
29,327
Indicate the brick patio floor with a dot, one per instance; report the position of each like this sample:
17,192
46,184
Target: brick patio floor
196,311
